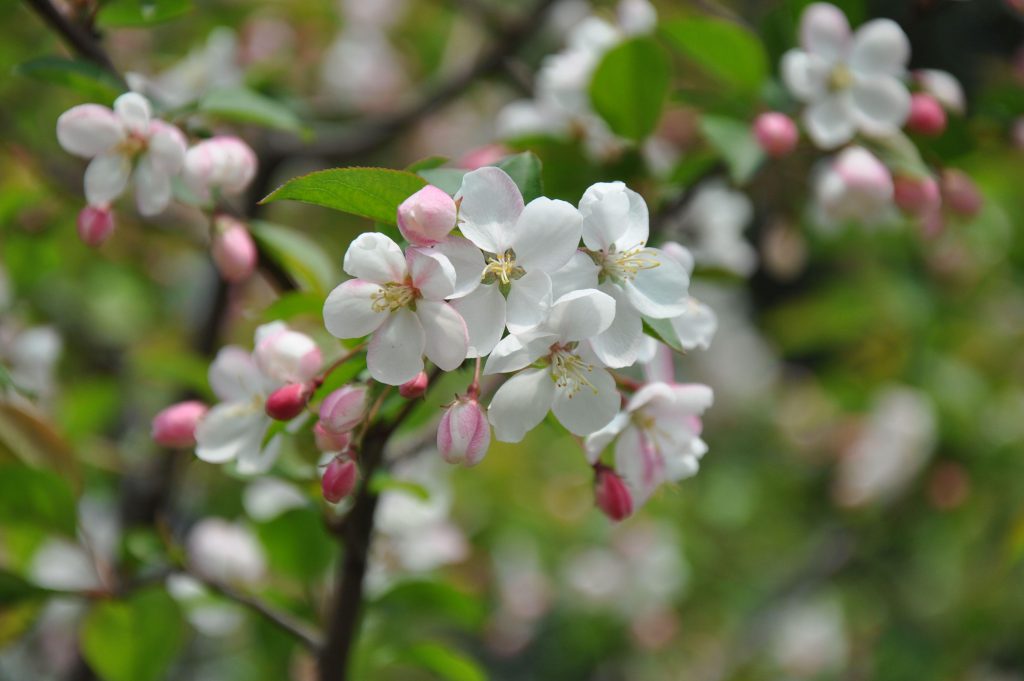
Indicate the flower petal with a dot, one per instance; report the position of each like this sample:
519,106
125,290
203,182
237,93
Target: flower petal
88,130
520,404
830,121
234,375
395,354
660,292
824,30
483,310
546,234
228,430
805,75
581,314
166,147
431,273
880,47
491,205
348,310
588,410
375,258
105,178
595,443
134,111
696,326
515,352
445,335
617,345
528,301
880,105
152,188
639,463
257,460
605,208
580,272
467,260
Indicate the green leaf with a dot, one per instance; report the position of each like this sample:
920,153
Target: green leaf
86,78
900,154
661,329
133,640
118,13
447,179
373,193
727,51
525,171
428,163
297,544
431,599
446,663
14,589
630,86
735,142
299,255
294,304
383,481
242,105
37,498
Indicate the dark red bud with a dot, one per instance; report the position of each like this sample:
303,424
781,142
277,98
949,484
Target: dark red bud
286,403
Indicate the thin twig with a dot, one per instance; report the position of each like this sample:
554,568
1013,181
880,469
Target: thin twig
80,38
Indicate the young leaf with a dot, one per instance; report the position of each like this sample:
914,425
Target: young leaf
86,78
735,142
299,255
122,13
36,498
444,662
242,105
14,589
427,163
661,329
373,193
730,53
629,87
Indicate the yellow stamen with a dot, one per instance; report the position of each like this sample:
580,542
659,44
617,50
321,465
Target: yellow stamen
393,296
568,371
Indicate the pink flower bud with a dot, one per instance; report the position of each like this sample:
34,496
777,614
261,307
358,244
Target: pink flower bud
175,426
343,409
414,388
225,163
328,441
287,402
426,217
464,435
959,193
233,250
611,494
285,355
489,154
776,133
95,225
927,117
339,479
916,195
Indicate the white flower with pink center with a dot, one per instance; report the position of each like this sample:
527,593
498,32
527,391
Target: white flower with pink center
856,186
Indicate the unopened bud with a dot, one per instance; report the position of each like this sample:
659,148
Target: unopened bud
339,479
959,193
233,250
287,402
343,409
286,355
224,163
414,388
489,154
916,195
776,133
95,225
611,494
927,117
328,441
175,426
426,217
464,435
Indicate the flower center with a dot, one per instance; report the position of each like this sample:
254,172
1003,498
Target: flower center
502,268
132,145
840,78
393,296
568,371
622,266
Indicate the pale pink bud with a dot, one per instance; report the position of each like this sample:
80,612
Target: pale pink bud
224,163
927,117
611,494
175,426
287,402
1018,132
464,435
95,225
285,355
861,171
233,250
489,154
916,195
426,217
959,193
343,409
329,441
944,87
339,479
776,133
416,387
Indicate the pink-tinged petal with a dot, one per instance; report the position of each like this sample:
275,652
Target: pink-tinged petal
375,258
89,130
880,48
431,273
529,300
395,354
546,234
343,409
640,463
515,352
605,208
596,442
348,310
234,375
483,310
463,434
805,75
580,315
105,178
617,346
824,30
134,111
228,430
467,260
880,105
490,206
660,292
166,147
520,404
152,188
830,122
589,409
446,337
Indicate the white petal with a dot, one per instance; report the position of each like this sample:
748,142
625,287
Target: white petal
152,188
595,443
880,105
134,111
528,301
491,205
580,272
257,460
395,354
546,234
617,345
467,260
515,352
234,375
88,130
375,258
105,178
639,463
661,367
695,327
348,310
431,273
660,292
605,207
483,310
944,87
880,47
581,314
446,339
650,396
520,404
805,75
824,30
588,410
166,147
830,121
228,430
681,254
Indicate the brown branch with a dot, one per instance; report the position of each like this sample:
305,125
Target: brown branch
79,38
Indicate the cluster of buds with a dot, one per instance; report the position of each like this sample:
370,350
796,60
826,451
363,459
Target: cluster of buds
340,412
